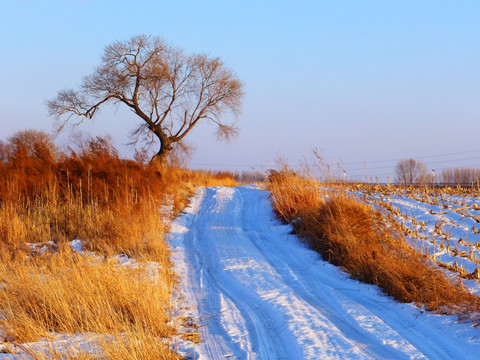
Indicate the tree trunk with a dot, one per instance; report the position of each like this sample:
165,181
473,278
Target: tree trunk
160,159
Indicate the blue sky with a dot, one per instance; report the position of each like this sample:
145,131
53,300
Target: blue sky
362,81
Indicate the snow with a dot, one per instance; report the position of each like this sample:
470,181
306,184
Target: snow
40,248
60,343
76,245
261,294
455,223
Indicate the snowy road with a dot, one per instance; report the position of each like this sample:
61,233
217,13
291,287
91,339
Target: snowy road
263,295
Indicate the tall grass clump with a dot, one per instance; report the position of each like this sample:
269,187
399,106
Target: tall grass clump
349,233
69,293
292,195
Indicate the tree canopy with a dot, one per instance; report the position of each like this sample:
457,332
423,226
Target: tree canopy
169,91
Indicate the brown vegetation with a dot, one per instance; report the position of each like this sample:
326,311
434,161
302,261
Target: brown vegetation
350,234
116,206
65,292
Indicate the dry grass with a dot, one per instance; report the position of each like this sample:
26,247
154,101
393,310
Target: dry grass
292,195
350,234
134,228
68,293
115,206
126,346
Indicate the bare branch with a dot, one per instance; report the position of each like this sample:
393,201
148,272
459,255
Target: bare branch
226,132
169,91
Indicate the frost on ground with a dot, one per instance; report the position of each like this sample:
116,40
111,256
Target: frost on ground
260,294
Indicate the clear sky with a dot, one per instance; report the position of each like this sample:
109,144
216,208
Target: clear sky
364,82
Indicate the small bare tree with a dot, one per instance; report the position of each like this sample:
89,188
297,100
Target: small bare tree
169,91
411,171
34,144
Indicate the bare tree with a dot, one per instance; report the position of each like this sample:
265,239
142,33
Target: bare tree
169,91
411,171
34,144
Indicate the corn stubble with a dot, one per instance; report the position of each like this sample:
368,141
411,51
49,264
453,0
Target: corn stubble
349,233
116,206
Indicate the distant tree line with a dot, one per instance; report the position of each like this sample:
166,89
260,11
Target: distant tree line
460,176
415,172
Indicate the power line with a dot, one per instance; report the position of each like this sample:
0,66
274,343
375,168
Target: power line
365,167
231,165
382,174
415,157
445,161
432,162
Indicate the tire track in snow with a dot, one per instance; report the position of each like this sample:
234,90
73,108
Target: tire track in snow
265,296
215,283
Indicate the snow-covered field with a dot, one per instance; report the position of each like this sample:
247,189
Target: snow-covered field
442,226
260,294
